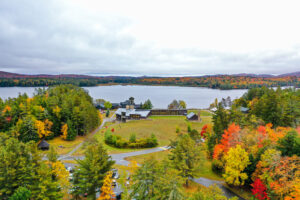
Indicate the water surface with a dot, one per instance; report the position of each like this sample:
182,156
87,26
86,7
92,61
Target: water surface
160,96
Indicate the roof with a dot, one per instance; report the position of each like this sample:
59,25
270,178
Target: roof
142,113
244,109
190,115
43,144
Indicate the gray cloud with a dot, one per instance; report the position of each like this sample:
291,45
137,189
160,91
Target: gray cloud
50,37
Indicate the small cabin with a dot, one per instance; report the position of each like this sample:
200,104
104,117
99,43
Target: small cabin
43,145
192,117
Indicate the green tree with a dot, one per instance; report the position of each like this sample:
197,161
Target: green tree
182,104
52,154
107,105
186,157
132,138
21,193
88,177
221,121
147,105
289,144
155,180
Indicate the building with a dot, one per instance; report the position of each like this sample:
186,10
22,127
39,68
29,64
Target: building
123,114
192,117
168,112
43,145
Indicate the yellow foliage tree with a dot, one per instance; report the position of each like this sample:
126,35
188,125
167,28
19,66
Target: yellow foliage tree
43,128
56,111
64,131
62,175
237,160
107,192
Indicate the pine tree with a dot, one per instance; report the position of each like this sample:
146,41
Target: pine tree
21,193
186,157
88,178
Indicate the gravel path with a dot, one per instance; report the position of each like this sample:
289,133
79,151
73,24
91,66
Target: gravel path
69,155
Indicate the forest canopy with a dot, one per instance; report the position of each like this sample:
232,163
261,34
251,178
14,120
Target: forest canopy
64,110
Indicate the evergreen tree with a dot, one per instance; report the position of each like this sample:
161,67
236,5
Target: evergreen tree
290,144
21,193
88,178
147,104
221,121
186,157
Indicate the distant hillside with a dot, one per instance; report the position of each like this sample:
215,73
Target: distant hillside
237,81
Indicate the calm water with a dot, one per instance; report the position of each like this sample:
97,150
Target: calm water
160,96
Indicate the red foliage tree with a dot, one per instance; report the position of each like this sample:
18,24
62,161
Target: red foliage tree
259,190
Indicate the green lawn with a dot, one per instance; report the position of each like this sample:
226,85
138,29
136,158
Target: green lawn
203,113
164,127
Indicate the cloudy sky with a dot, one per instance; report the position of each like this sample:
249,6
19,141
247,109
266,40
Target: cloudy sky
149,37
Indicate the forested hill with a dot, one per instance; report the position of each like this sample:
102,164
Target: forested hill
238,81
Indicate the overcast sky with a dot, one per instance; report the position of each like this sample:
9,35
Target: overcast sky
157,37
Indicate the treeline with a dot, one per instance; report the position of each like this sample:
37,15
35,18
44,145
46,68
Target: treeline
64,110
218,82
259,148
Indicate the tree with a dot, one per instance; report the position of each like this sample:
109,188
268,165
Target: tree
155,180
147,105
186,157
23,166
237,160
64,131
132,138
52,155
143,181
107,192
259,190
290,144
221,121
89,175
107,105
21,193
182,104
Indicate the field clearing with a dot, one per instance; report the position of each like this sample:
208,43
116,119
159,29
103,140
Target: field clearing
205,170
62,146
164,127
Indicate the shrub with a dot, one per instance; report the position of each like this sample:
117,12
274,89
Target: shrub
119,142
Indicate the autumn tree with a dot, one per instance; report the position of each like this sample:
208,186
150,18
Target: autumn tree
107,192
89,175
237,160
259,190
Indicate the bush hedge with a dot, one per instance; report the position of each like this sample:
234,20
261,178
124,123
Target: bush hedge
119,142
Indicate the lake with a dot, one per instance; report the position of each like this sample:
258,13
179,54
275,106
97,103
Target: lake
160,96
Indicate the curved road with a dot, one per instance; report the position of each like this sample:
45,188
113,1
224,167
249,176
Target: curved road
120,160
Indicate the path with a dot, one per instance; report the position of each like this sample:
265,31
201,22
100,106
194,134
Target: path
62,157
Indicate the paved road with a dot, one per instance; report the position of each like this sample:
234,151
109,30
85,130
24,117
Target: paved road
120,158
208,182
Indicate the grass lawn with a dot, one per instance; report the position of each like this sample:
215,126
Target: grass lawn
203,113
63,146
159,156
164,127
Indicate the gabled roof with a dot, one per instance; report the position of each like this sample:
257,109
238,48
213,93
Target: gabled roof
43,144
142,113
190,115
